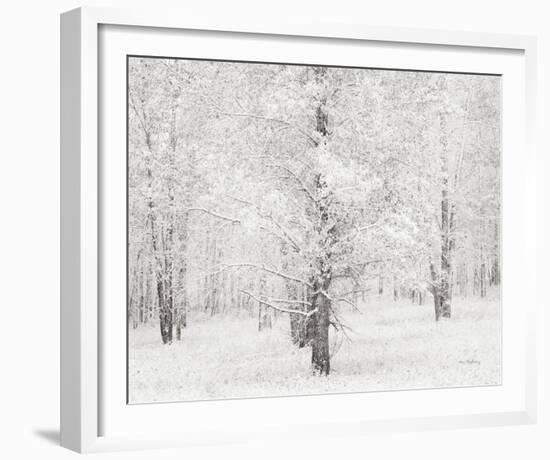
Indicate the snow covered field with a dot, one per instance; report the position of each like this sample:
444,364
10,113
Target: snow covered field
394,345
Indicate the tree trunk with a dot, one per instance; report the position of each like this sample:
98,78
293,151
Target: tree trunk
447,223
148,296
482,280
446,254
442,305
165,313
264,313
495,273
215,282
181,310
178,323
296,320
320,356
295,328
495,270
317,324
300,323
310,322
293,292
267,320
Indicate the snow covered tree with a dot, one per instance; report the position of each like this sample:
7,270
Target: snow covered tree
273,190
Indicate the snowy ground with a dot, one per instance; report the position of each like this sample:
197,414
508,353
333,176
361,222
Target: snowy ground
395,345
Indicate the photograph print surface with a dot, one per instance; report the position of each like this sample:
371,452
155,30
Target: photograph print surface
303,229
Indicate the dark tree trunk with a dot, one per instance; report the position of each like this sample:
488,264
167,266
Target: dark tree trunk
495,269
165,297
320,356
443,286
482,280
148,296
495,273
170,314
317,324
260,305
215,283
162,270
180,318
181,311
165,314
207,278
446,249
320,321
141,293
178,325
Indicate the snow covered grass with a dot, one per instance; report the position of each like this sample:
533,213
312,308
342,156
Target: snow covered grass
394,346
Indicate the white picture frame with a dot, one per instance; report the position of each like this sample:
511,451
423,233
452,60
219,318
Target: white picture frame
89,401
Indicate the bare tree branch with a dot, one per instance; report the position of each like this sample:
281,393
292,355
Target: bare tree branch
339,325
343,299
215,214
266,301
297,178
272,119
268,270
301,302
285,233
349,302
360,230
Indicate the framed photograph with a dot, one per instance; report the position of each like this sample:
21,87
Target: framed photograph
293,230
